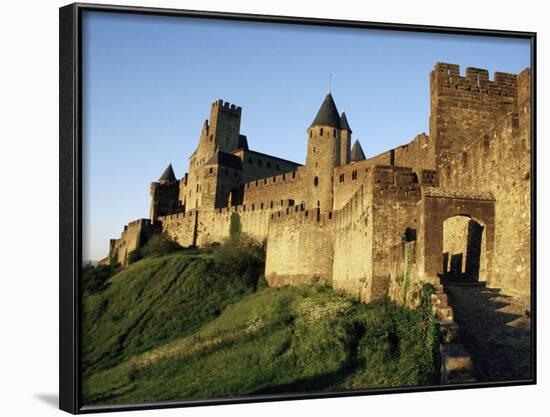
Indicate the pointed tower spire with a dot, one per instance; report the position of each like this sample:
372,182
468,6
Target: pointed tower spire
168,175
328,114
344,125
357,153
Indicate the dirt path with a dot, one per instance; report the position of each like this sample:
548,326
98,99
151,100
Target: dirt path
495,329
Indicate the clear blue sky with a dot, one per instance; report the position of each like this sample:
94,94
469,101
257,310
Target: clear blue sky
148,82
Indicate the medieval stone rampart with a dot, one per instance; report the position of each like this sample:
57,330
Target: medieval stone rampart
499,162
299,247
376,225
134,235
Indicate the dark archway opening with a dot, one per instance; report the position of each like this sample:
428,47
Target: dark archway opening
464,257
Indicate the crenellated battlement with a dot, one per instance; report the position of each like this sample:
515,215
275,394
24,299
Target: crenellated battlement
164,185
303,215
397,181
253,207
337,221
227,107
140,222
273,181
178,216
205,127
476,80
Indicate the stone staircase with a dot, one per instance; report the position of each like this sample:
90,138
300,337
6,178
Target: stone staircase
456,363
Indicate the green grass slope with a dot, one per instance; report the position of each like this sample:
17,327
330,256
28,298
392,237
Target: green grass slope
180,327
154,301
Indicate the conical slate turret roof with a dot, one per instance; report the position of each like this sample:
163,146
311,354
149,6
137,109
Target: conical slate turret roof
344,125
168,174
328,114
357,153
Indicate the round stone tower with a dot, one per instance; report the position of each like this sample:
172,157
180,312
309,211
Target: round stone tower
323,155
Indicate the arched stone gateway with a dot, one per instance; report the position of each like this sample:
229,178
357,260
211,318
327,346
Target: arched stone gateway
468,220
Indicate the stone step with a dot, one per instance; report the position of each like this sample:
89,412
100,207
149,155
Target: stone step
438,288
440,299
443,313
449,331
456,363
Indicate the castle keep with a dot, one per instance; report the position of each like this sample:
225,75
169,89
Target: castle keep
454,202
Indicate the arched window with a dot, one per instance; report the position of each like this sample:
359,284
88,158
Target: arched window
334,133
321,132
316,181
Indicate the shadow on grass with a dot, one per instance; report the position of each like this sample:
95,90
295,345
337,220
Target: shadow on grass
318,382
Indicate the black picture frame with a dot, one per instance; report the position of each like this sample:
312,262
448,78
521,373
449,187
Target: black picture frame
70,203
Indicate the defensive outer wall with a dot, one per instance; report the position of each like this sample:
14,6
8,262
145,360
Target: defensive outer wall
369,226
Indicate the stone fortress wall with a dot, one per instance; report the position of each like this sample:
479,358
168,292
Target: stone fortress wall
498,161
134,235
363,224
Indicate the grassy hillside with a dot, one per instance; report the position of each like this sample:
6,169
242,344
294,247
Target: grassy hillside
157,300
184,327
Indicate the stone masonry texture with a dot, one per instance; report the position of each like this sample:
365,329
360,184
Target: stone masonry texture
456,200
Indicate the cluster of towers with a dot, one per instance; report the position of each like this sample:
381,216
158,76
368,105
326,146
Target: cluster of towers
223,164
474,163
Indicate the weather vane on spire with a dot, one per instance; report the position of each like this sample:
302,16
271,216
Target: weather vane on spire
330,83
